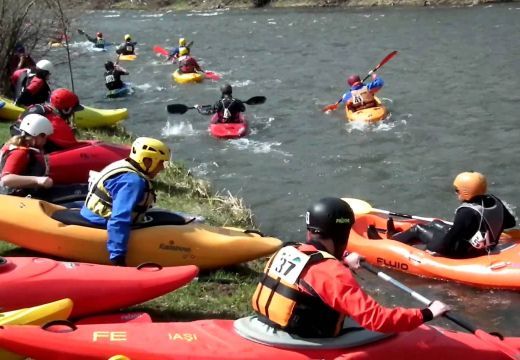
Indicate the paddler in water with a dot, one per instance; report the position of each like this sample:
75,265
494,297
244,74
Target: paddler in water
227,108
128,47
359,95
187,63
113,75
312,296
477,226
175,52
122,193
98,41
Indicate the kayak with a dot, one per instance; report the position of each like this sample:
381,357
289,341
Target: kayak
73,165
500,269
88,118
228,130
166,239
38,315
371,115
116,93
127,57
29,281
187,78
234,340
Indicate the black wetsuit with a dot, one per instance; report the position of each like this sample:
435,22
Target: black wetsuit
454,241
126,48
113,79
234,106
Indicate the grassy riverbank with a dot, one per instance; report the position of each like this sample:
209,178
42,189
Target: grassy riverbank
222,293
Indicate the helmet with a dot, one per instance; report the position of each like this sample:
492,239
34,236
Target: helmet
99,34
128,37
226,89
353,79
65,101
182,42
19,48
109,65
45,65
183,51
331,217
35,124
470,184
145,147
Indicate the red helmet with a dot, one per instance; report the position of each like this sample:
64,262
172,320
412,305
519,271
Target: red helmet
65,101
353,79
99,34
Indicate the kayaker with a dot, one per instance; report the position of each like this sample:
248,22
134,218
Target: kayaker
20,60
22,163
228,108
187,64
113,76
361,96
128,47
123,191
175,52
63,104
32,87
308,291
98,41
477,226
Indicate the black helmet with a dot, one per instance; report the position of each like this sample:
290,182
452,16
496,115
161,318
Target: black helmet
109,65
331,217
226,89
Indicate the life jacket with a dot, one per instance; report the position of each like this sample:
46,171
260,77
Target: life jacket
17,74
113,80
99,200
186,64
100,43
491,223
24,97
37,166
226,115
361,99
281,304
128,48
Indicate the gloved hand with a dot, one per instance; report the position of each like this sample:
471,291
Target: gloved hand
438,308
44,181
353,260
197,106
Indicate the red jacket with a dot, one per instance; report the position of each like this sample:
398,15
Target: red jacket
187,64
63,135
336,286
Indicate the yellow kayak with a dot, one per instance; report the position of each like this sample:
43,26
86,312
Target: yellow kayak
127,57
88,118
371,115
62,232
187,78
38,315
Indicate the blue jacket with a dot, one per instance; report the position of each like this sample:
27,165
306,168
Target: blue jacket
173,52
373,86
127,190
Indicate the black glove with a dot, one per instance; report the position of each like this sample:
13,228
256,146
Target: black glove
119,261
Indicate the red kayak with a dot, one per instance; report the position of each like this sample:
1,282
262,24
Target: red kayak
30,281
219,339
228,130
73,165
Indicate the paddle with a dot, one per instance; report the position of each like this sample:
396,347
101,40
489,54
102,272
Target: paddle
481,334
212,75
159,50
386,59
181,108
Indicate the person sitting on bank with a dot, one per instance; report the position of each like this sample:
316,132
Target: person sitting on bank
63,104
175,52
228,108
187,63
312,296
98,41
477,226
123,192
128,47
113,76
32,87
20,60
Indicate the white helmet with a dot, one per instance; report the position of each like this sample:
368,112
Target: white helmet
45,65
35,124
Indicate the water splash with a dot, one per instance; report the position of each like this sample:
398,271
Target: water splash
258,147
179,128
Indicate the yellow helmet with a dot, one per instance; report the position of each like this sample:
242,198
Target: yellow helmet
470,184
145,147
182,42
128,37
183,51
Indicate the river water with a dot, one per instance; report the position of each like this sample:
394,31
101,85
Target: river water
452,92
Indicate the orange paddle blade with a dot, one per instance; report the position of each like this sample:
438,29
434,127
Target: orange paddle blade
330,107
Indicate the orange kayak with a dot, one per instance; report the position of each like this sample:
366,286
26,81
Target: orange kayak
500,269
370,116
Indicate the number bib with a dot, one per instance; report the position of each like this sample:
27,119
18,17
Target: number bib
130,48
109,79
288,264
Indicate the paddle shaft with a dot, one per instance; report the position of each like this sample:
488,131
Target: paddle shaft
481,334
384,61
407,216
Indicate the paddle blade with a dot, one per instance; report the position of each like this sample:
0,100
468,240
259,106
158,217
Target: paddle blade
177,108
255,100
159,50
358,206
330,107
212,75
386,59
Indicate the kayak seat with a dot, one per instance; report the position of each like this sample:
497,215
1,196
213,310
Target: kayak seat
253,329
152,218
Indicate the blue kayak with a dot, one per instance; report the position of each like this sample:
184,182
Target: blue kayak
117,93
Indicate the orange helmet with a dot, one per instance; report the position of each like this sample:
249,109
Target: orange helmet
470,184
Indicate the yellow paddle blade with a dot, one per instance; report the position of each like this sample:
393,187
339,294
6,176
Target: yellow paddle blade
119,357
358,206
